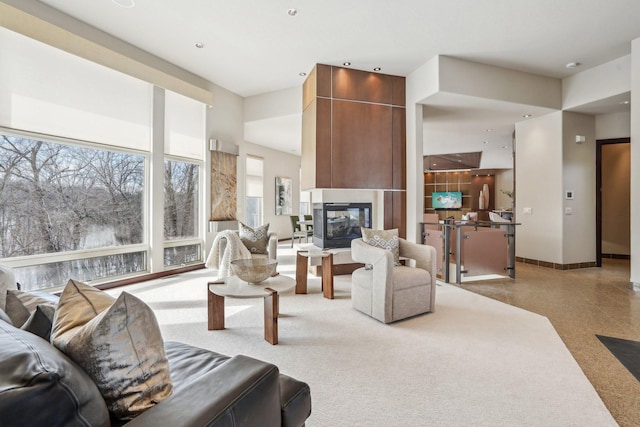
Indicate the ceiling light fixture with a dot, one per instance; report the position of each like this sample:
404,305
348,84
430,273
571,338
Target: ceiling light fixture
346,64
199,45
625,102
125,3
485,142
573,65
292,12
526,116
377,69
302,74
489,130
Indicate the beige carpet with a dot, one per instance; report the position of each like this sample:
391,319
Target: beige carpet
474,362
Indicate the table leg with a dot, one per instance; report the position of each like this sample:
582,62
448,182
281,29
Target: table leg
327,276
215,311
271,309
301,273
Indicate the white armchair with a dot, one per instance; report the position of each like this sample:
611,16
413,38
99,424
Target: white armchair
387,292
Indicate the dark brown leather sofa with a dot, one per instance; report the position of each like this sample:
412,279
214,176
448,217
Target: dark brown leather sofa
40,386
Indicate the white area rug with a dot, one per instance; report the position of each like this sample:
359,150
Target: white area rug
474,362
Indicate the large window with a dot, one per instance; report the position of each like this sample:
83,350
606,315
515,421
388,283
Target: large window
253,202
57,198
80,169
181,212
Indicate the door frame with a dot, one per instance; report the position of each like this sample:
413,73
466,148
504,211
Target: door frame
599,144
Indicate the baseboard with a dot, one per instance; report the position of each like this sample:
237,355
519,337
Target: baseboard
557,266
616,256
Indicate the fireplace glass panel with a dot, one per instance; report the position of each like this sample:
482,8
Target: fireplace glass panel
335,225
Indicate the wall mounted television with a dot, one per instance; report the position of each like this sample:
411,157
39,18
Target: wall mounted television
446,200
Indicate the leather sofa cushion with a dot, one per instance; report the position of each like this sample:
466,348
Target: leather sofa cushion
188,363
21,305
40,386
295,400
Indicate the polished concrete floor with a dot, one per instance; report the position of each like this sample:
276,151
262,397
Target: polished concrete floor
582,304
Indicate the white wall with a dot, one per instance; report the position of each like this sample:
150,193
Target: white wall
420,84
579,176
276,163
635,162
539,188
273,104
504,181
594,84
224,123
487,81
614,125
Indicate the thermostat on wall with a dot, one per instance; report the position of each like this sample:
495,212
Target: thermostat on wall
568,195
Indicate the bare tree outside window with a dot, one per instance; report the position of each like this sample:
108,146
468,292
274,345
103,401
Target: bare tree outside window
57,198
181,211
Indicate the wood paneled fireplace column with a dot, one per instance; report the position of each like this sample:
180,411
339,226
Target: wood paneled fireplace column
354,135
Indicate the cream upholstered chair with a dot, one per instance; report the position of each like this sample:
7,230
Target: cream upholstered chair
387,292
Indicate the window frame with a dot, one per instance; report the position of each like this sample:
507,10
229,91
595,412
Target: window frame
199,239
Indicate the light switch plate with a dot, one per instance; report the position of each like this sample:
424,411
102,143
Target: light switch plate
527,211
568,211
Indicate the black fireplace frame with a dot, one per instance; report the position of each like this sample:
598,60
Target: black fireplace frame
349,231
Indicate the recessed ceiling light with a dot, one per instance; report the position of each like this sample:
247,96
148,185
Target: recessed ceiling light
199,45
377,69
573,64
526,116
504,147
292,12
625,102
489,130
346,64
302,74
485,142
125,3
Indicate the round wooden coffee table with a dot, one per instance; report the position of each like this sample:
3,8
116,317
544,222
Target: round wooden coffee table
233,287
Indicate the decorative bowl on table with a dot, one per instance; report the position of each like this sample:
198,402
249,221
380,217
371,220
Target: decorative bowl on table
254,270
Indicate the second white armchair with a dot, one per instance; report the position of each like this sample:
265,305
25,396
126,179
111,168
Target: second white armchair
387,292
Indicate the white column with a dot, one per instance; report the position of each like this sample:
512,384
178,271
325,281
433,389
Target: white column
635,164
156,184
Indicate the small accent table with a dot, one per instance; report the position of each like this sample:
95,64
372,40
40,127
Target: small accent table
233,287
327,272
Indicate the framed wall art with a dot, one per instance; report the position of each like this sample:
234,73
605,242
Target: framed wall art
284,196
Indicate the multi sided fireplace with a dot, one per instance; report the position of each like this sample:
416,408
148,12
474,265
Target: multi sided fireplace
335,225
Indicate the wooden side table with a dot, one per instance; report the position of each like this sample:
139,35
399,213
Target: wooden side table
233,287
302,258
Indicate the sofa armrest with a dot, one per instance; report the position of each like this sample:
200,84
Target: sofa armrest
273,245
423,255
240,392
367,254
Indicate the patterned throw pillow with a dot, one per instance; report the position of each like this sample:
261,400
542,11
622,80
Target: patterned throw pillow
385,239
118,343
256,240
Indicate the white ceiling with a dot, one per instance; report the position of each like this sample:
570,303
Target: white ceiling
254,46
